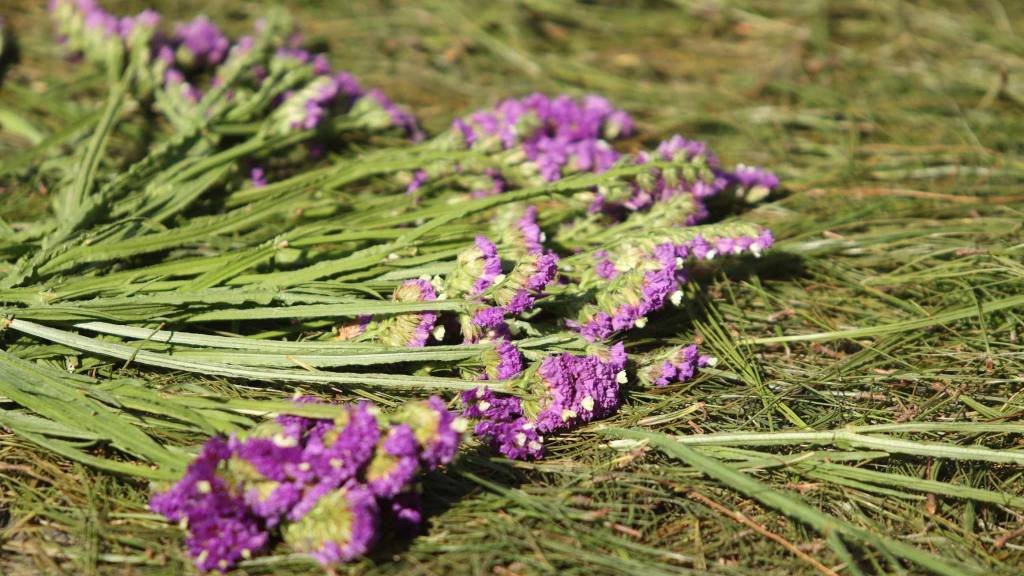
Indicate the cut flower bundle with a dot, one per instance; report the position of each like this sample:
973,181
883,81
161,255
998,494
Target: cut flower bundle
293,218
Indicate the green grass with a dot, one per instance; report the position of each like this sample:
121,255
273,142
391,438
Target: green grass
892,302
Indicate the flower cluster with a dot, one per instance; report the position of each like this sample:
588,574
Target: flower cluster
678,364
565,392
631,295
86,28
297,87
325,486
556,135
411,329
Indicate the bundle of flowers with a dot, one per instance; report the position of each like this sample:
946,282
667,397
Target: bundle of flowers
326,488
508,261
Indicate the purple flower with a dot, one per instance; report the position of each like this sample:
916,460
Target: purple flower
501,423
530,232
605,268
705,249
489,317
577,389
145,20
339,527
418,178
519,439
526,282
679,365
337,450
202,41
556,134
632,296
437,430
483,404
749,177
218,541
476,268
258,177
399,118
394,463
491,265
272,472
199,488
222,529
412,329
504,362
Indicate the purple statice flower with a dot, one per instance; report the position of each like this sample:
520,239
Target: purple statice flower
577,389
272,471
633,296
519,439
411,329
706,249
217,541
341,526
145,20
503,362
175,80
297,427
337,450
489,317
221,528
198,487
201,42
590,156
527,282
530,232
501,423
491,265
605,268
520,302
318,62
418,179
85,28
555,134
437,430
258,177
394,463
399,118
680,365
750,177
483,404
476,268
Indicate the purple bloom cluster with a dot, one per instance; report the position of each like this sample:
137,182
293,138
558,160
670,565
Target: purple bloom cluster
701,248
632,296
530,232
679,365
327,484
200,42
411,329
476,269
222,529
556,134
642,285
504,362
565,392
501,423
750,177
86,28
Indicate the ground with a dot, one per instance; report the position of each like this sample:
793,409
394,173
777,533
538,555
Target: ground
896,128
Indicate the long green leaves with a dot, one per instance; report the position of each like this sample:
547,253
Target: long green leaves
837,532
